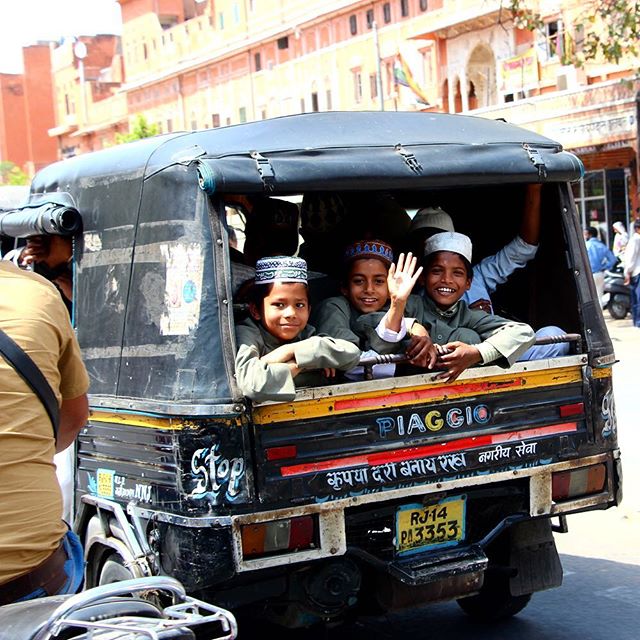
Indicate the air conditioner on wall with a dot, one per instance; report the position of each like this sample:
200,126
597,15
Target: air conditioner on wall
568,77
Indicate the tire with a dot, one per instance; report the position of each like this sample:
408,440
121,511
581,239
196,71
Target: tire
618,309
113,570
494,603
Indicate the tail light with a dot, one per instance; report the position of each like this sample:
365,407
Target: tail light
278,536
281,453
578,482
575,409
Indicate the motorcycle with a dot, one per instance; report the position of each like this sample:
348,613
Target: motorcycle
617,295
118,611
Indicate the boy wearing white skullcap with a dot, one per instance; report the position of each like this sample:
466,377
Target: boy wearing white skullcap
276,344
494,270
464,337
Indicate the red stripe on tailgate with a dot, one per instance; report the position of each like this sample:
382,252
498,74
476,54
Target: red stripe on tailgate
399,455
427,394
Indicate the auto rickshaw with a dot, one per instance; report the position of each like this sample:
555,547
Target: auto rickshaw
355,497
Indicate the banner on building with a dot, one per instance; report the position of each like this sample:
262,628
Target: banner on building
404,76
519,72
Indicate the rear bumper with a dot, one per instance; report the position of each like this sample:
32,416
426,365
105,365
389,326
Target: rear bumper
333,539
335,534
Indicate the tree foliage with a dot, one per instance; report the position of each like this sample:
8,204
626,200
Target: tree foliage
141,129
602,30
11,174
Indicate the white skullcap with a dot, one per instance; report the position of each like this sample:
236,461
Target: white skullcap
433,217
449,241
618,226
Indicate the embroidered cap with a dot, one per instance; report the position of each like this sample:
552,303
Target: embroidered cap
281,269
433,217
363,249
449,241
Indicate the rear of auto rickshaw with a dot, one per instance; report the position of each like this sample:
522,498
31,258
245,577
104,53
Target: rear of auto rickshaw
358,496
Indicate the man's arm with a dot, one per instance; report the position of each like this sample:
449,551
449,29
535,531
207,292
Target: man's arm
496,269
610,259
74,414
54,252
530,227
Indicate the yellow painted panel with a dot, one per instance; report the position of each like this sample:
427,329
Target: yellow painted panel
134,420
154,422
602,373
434,392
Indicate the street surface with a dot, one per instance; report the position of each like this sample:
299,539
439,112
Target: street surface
600,596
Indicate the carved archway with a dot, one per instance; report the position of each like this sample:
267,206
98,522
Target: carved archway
482,87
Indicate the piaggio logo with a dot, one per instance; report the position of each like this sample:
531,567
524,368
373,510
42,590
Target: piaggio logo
433,420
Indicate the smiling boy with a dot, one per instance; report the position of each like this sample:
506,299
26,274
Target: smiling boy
464,337
376,311
276,344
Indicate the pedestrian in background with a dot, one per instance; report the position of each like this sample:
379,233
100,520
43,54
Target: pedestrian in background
601,258
620,240
632,271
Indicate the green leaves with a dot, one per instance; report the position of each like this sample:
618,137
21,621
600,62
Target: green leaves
609,30
141,129
11,174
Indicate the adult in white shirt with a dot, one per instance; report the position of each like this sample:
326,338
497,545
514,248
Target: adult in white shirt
632,271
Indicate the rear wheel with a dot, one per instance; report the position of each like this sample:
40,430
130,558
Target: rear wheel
494,602
114,570
618,308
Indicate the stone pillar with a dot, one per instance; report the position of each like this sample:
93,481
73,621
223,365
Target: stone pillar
464,90
451,87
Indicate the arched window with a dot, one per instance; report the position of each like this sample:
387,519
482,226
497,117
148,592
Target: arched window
457,96
471,96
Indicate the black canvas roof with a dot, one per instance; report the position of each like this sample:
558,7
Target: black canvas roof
364,129
340,150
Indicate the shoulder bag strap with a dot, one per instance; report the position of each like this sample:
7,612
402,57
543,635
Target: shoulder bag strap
28,370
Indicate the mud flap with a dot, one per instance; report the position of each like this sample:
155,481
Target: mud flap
534,557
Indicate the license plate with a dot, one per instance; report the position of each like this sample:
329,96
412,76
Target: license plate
438,525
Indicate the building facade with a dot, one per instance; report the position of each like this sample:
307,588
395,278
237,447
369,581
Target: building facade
89,106
523,77
26,112
194,64
13,120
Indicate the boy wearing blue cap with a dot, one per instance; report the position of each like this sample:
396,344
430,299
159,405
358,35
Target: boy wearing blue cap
376,311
